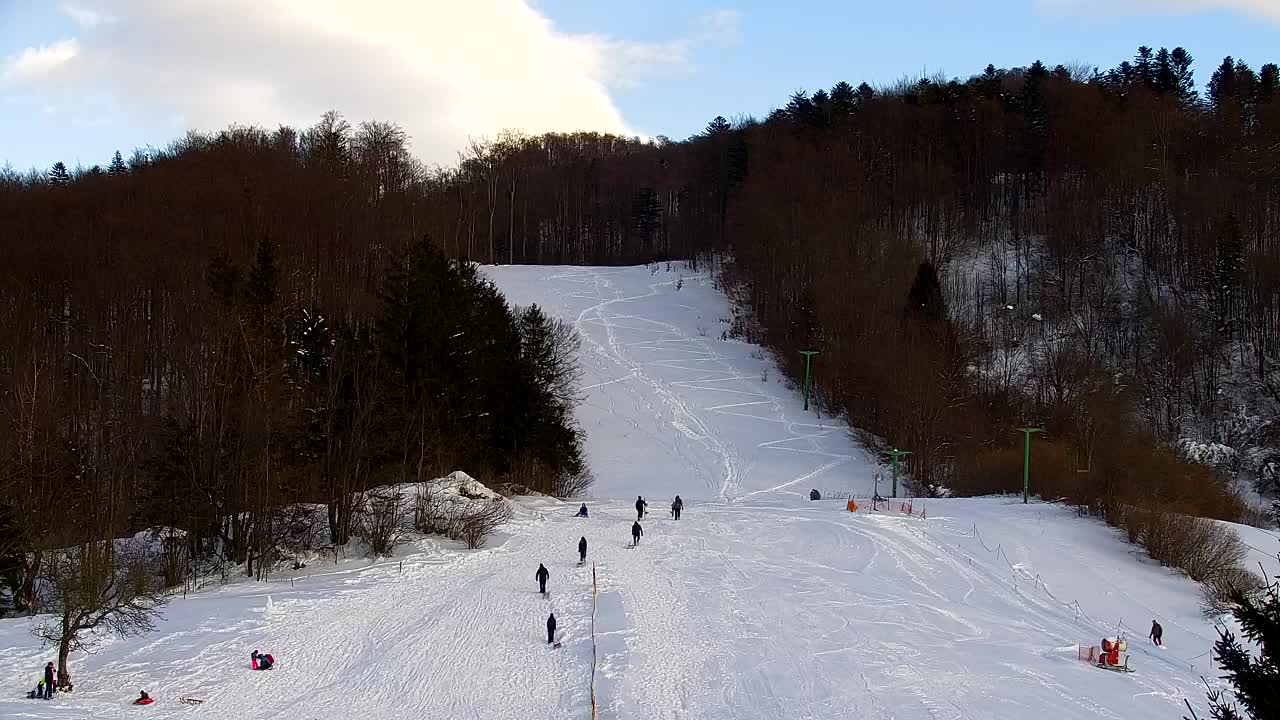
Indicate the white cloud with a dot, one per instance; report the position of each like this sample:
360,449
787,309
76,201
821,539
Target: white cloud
1266,9
443,69
34,62
721,25
86,18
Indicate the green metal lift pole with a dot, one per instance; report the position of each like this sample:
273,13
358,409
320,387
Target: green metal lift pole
1026,460
808,356
894,454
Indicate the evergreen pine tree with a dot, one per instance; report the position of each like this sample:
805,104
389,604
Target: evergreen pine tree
58,175
1222,85
1268,82
717,126
117,166
925,298
1183,77
1256,681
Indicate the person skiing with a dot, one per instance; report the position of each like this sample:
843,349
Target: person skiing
1157,632
636,532
582,511
676,507
640,506
542,576
551,629
50,681
143,698
582,550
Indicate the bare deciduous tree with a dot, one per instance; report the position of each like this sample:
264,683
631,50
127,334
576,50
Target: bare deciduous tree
94,587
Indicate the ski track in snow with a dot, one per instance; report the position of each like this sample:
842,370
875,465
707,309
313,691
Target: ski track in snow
756,605
658,378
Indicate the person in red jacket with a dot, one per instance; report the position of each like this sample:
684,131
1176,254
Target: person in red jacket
143,698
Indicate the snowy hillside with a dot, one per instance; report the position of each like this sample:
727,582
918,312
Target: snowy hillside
757,604
669,407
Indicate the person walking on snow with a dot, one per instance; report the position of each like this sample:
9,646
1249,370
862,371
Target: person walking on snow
542,576
551,629
640,506
582,551
1157,632
676,507
636,532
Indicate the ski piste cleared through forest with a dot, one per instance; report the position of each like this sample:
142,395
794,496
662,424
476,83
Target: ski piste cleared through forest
756,604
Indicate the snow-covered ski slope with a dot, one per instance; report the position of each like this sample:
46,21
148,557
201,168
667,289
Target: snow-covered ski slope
757,604
669,407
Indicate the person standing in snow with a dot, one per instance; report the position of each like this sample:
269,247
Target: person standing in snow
50,681
636,532
551,629
1157,632
542,576
676,507
582,551
640,506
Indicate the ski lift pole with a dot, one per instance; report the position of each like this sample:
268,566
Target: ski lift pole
894,454
808,356
1026,460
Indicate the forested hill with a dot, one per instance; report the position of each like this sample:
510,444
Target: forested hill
1094,253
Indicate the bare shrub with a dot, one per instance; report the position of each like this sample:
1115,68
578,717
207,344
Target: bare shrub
381,521
175,560
1257,517
1216,592
480,519
1201,548
469,520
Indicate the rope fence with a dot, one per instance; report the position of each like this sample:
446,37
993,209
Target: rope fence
594,591
1074,605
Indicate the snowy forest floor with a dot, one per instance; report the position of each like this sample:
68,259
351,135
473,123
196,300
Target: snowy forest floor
757,604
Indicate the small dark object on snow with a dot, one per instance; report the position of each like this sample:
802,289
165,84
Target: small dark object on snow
815,495
143,698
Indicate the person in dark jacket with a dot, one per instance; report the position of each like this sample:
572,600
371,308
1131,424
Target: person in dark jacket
542,576
1157,632
50,681
636,532
676,507
551,629
582,511
640,506
582,551
143,698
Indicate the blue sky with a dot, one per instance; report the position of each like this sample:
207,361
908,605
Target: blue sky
81,79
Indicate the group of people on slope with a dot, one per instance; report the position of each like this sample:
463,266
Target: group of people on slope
542,574
52,680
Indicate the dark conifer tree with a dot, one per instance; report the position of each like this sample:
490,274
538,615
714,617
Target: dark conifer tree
58,175
1255,680
117,166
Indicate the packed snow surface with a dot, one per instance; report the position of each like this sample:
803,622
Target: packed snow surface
671,407
757,604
